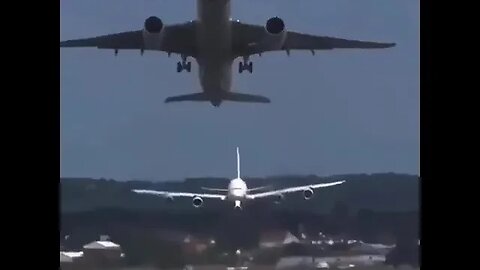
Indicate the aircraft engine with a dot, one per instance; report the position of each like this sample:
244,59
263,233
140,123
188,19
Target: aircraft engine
153,25
275,34
197,202
275,26
169,199
308,194
152,32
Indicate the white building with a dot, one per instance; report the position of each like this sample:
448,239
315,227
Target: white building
70,260
70,257
103,253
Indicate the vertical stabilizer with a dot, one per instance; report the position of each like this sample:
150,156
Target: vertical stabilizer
238,163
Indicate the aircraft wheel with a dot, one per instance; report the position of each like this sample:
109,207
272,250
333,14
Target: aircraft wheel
179,67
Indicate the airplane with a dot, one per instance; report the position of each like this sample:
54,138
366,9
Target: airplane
238,192
215,40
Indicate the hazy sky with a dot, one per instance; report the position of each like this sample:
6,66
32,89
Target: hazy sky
342,111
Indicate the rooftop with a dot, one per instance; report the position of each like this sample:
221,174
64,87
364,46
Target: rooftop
70,256
101,245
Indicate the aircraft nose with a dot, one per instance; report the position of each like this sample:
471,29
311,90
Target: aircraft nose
238,193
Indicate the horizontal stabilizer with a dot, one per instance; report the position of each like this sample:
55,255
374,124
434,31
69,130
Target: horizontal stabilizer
188,97
229,96
238,97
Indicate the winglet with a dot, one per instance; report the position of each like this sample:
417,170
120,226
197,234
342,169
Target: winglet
238,163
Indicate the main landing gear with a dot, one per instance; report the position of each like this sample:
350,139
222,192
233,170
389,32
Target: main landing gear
245,65
184,65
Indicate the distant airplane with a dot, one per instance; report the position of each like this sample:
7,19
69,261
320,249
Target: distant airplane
214,40
238,191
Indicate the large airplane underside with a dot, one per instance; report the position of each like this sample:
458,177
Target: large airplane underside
214,40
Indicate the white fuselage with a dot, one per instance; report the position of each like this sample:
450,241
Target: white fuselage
237,190
215,47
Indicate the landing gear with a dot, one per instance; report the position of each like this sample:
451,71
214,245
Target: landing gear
184,65
245,65
242,67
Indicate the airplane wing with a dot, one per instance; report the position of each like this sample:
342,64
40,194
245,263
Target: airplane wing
177,38
292,189
249,38
167,194
215,189
259,188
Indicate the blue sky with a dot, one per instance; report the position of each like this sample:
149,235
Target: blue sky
342,111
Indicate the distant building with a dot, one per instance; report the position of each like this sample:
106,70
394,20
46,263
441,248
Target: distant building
277,239
103,254
71,260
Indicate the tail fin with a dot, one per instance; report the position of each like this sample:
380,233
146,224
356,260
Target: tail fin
238,163
231,96
187,97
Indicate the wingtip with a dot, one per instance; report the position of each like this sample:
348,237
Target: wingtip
266,100
66,43
339,182
385,45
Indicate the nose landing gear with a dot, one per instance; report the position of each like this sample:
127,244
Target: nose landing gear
238,205
245,65
184,65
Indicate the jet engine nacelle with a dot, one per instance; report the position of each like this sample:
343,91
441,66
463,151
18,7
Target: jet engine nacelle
197,202
308,194
275,26
275,34
152,32
169,199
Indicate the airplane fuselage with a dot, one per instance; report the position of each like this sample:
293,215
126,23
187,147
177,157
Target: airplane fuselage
214,40
214,37
237,192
